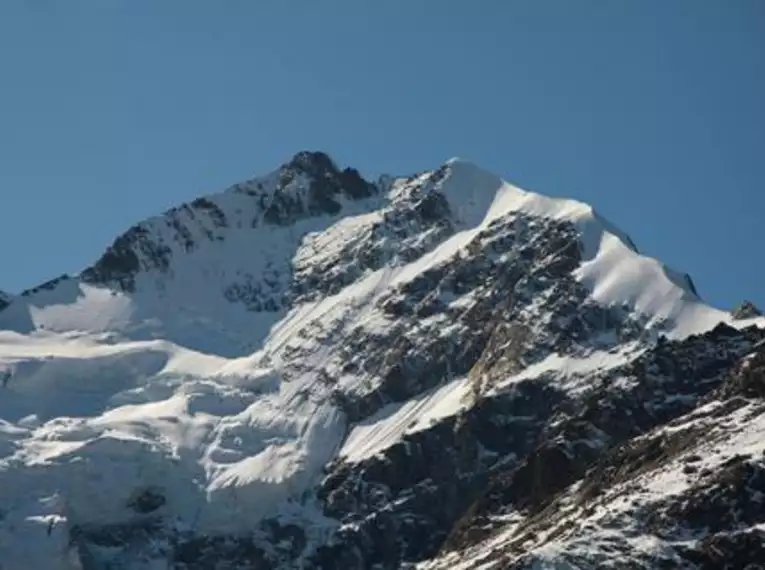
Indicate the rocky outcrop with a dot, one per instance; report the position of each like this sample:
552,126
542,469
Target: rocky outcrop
417,219
419,489
47,286
519,271
746,310
133,251
747,379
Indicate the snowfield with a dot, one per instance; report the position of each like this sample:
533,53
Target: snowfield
190,383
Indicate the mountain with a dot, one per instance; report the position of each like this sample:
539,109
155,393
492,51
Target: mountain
312,370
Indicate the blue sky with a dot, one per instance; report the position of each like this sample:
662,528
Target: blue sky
652,111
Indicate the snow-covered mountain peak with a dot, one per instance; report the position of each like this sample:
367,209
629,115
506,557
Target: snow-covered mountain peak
613,268
215,274
288,373
309,185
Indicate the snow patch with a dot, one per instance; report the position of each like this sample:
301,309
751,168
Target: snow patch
390,424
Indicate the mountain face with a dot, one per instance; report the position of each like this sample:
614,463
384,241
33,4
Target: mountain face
440,371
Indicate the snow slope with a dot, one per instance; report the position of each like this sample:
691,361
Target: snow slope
199,372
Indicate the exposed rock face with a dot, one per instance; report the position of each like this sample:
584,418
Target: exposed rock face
121,262
456,353
746,310
607,487
420,488
47,286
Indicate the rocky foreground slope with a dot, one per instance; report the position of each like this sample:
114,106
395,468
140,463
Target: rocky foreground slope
312,370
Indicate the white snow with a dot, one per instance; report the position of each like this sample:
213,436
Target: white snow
391,423
96,422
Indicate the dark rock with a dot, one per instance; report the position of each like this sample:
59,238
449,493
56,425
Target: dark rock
354,186
433,207
730,498
208,552
746,310
747,380
47,286
632,458
96,545
743,550
423,486
215,213
121,262
147,500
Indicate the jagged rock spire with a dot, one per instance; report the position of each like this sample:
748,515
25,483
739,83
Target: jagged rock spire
746,310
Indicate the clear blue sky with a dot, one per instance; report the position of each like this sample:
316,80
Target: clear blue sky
653,111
